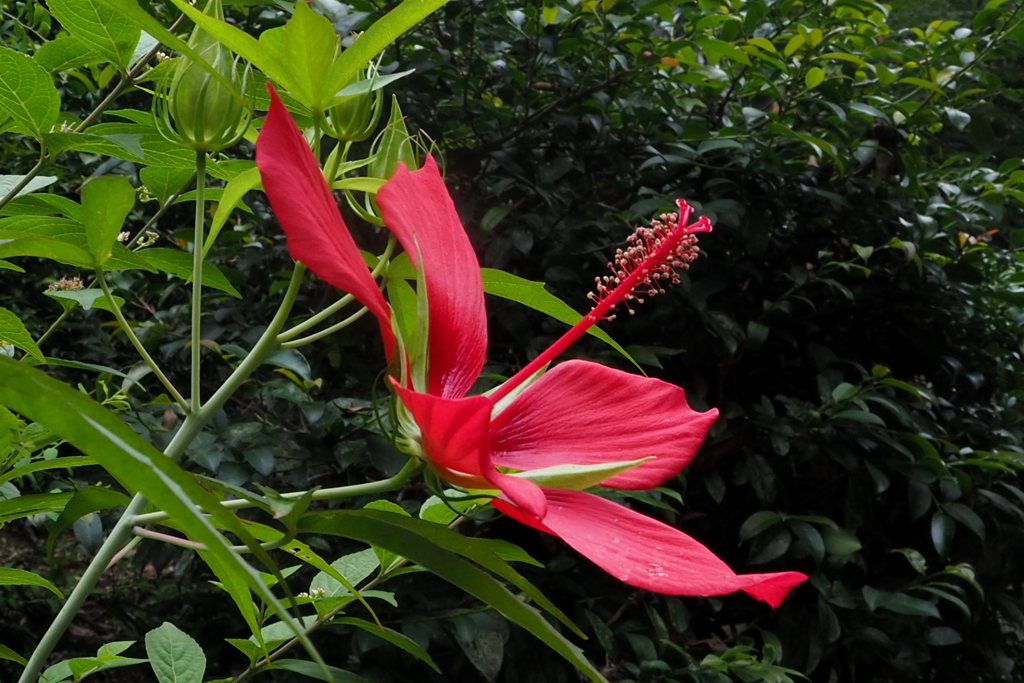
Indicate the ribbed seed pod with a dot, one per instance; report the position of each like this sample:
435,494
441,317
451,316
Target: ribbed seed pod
355,119
197,109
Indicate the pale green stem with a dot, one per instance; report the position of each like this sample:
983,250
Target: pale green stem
382,486
142,532
122,531
54,326
326,332
156,216
197,279
340,303
127,328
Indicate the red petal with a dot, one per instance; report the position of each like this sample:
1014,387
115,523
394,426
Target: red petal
306,210
454,437
645,553
415,205
581,413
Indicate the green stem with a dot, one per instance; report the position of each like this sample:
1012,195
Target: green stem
122,531
127,328
54,326
382,262
325,332
156,216
197,279
369,488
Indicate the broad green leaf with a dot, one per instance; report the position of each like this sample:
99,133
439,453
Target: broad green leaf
42,205
308,48
437,549
380,35
89,499
164,183
32,504
354,568
20,577
27,93
174,655
66,52
138,466
9,182
13,331
9,654
814,77
578,477
534,295
179,264
106,203
86,298
394,637
41,465
119,146
106,32
233,193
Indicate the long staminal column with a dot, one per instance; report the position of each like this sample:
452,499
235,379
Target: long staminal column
651,259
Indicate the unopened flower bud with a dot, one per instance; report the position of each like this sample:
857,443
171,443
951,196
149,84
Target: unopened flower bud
355,118
198,109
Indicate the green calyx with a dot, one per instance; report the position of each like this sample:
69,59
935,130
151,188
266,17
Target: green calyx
197,109
356,117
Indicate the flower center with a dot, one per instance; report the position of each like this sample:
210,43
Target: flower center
652,258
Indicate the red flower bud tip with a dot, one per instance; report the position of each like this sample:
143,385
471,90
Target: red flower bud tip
652,259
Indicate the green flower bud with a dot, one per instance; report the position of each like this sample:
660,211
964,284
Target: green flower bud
356,117
198,110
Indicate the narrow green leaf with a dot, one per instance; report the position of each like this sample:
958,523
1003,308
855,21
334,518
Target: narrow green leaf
106,202
437,549
380,35
394,637
9,654
135,463
578,477
42,465
304,668
20,577
32,504
27,92
107,33
534,295
174,655
89,499
233,193
13,331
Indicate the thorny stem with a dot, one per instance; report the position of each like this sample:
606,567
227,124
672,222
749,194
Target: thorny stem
121,534
130,333
197,280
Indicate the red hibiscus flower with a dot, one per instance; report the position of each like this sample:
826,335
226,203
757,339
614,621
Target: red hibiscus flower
542,437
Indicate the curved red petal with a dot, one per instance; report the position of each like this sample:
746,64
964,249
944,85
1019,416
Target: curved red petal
305,207
645,553
415,205
581,413
453,434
